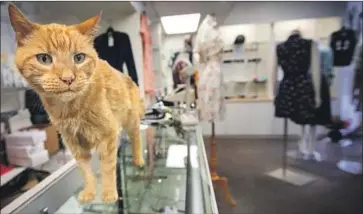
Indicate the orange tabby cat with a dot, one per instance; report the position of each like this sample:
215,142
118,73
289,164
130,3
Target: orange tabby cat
87,100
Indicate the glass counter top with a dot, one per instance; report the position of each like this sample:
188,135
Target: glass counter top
175,176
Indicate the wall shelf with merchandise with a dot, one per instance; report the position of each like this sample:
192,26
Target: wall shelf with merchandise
246,67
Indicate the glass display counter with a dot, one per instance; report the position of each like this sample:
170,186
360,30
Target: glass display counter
175,179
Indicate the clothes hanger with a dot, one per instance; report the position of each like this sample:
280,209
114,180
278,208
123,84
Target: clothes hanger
213,15
110,29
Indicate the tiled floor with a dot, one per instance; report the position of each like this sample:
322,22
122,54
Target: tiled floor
245,163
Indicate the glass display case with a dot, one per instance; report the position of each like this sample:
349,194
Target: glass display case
175,179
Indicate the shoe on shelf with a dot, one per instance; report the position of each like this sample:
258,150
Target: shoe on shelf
158,113
154,117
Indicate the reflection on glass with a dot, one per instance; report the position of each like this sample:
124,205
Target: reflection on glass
161,184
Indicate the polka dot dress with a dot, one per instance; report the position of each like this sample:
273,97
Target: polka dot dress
295,98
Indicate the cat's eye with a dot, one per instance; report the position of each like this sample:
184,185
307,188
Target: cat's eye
79,58
44,58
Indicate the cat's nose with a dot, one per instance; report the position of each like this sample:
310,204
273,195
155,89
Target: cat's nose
68,79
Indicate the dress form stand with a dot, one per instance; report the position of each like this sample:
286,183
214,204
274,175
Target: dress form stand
208,52
292,176
221,182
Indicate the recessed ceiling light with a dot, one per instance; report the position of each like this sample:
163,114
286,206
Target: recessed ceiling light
178,24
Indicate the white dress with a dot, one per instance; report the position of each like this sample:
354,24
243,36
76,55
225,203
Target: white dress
208,50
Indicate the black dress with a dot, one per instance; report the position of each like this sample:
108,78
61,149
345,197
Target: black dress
296,96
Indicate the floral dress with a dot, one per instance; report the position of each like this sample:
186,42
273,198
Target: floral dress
209,49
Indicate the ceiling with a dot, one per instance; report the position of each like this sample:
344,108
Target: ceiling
156,9
109,9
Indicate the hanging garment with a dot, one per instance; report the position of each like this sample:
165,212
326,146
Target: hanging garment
149,77
343,44
357,85
326,63
35,108
209,47
118,53
296,96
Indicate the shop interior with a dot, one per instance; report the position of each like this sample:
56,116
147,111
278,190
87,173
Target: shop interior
251,107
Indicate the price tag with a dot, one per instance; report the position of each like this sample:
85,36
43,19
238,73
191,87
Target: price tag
110,41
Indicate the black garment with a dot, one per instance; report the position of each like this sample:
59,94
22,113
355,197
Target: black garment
343,44
296,96
38,115
119,53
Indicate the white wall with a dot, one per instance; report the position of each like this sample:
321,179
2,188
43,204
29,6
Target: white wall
251,119
266,11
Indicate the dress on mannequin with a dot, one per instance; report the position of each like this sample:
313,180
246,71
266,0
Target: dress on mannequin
208,53
209,47
296,98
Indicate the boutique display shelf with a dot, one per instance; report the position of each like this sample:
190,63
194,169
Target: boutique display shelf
246,100
162,182
245,69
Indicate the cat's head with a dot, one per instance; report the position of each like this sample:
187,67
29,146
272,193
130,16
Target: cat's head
56,60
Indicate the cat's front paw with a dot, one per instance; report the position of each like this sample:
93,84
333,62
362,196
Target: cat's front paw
109,196
86,195
139,163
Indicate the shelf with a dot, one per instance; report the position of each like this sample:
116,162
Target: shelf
242,100
11,174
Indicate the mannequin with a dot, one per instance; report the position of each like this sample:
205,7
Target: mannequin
208,52
307,144
299,95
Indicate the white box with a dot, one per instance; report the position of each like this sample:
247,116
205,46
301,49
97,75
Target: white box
26,138
24,151
34,160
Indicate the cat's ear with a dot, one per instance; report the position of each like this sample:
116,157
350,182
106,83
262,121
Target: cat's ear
21,25
90,26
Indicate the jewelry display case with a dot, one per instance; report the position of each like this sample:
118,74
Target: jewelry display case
175,179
